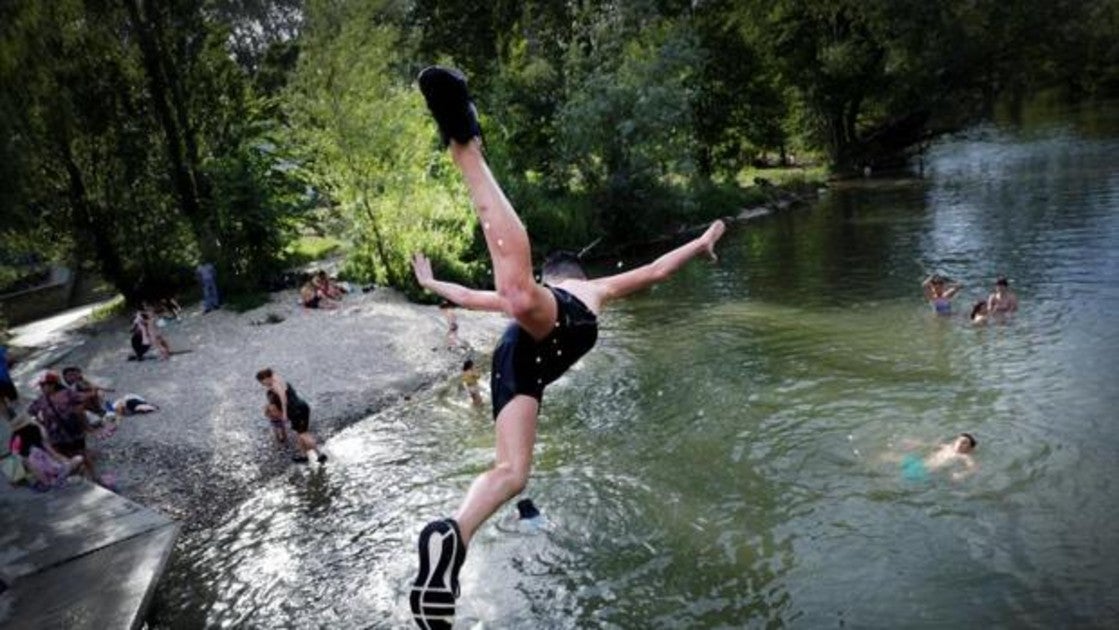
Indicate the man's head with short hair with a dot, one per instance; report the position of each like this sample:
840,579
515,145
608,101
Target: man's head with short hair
1001,281
264,375
71,374
467,365
965,443
562,265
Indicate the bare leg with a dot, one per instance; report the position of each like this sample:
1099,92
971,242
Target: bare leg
306,443
516,435
310,446
526,301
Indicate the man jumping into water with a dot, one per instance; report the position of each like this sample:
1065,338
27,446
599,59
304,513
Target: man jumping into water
556,324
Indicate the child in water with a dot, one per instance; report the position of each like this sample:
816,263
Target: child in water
275,417
979,313
470,379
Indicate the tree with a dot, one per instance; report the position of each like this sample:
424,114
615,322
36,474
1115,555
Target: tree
357,126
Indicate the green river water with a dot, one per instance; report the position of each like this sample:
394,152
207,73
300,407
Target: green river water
721,459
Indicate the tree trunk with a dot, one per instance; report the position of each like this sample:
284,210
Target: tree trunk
378,242
88,227
185,184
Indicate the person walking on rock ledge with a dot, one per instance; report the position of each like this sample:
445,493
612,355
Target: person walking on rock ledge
556,324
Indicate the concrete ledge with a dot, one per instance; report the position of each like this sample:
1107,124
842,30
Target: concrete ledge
79,557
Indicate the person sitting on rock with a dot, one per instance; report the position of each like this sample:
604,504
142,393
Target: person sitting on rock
48,467
312,297
61,412
73,379
327,286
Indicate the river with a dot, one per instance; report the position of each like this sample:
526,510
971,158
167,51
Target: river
723,458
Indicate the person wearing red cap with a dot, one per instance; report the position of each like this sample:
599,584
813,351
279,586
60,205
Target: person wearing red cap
60,410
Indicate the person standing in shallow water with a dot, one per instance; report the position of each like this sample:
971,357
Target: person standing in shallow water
939,292
555,324
295,411
1002,300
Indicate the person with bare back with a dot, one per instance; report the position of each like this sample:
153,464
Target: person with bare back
555,324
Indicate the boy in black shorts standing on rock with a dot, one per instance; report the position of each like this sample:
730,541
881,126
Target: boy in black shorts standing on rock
556,323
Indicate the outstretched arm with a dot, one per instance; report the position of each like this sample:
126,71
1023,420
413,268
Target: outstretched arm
623,284
460,295
952,290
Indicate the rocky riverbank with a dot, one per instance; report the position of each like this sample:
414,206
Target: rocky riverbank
208,446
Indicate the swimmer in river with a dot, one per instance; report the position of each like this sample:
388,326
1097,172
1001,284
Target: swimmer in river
954,454
556,323
1002,300
979,313
939,292
470,377
447,308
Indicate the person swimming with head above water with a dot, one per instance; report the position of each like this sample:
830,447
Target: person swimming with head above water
939,292
954,454
1002,300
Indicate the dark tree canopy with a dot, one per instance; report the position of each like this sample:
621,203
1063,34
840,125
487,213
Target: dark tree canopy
143,137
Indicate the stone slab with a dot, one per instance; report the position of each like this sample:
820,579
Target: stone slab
108,588
79,557
40,530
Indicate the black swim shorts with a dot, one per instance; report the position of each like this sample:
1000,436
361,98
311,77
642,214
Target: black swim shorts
300,417
524,366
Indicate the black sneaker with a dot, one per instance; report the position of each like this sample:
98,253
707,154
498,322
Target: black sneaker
445,91
526,509
322,458
436,587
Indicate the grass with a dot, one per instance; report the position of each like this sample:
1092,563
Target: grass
242,302
308,249
784,175
112,308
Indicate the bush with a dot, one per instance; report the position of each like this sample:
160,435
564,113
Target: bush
114,307
308,249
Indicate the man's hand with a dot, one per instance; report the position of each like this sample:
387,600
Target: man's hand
421,266
712,236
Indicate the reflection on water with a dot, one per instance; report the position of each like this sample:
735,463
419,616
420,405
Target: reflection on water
718,461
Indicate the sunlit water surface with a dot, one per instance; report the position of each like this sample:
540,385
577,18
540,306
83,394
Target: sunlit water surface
720,459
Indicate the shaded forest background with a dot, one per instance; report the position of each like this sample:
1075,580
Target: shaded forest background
139,137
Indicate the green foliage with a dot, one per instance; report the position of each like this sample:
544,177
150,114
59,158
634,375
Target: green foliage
115,307
308,249
106,131
363,140
148,136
